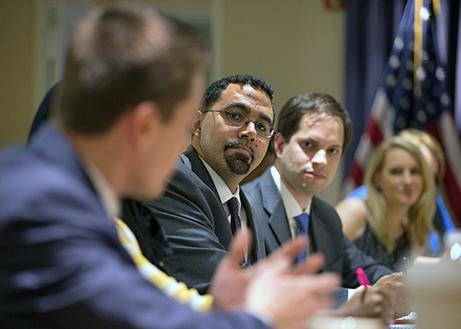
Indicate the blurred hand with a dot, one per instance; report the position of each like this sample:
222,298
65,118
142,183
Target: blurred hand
273,288
230,281
367,303
392,285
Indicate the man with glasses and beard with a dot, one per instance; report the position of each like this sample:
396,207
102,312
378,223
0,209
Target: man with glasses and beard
203,206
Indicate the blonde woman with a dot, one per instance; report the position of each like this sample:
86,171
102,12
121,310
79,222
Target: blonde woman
433,154
395,218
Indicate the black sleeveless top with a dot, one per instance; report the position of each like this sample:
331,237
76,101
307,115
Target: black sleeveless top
370,245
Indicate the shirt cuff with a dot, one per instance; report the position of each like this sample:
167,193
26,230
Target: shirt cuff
350,293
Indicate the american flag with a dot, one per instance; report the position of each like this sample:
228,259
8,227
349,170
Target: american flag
413,94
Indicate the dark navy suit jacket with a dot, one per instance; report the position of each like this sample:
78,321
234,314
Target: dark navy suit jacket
325,233
197,228
61,264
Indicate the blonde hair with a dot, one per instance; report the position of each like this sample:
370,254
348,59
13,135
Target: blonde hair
420,214
420,137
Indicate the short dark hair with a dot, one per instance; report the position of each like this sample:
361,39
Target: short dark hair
214,91
293,111
121,56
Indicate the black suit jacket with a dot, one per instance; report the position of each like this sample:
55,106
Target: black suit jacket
325,232
196,226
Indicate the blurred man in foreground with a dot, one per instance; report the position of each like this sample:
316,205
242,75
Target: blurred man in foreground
131,86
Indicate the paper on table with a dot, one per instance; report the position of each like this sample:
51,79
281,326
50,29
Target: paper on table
409,318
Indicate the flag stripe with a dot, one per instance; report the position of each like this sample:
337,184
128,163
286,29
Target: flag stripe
397,106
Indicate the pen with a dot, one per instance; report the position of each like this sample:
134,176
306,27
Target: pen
362,277
405,264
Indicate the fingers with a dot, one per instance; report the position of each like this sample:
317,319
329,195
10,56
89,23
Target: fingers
239,246
290,249
290,299
377,301
363,295
390,279
321,287
312,265
391,284
369,302
325,283
392,287
383,307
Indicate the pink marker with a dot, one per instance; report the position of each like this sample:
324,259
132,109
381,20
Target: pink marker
362,277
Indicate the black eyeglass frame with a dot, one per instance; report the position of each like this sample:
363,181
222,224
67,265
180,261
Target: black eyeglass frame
244,123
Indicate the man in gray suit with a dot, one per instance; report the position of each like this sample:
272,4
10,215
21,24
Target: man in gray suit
312,134
230,137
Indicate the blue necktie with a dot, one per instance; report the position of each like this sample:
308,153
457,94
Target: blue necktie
233,205
302,227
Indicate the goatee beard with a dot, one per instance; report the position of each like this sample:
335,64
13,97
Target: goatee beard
238,163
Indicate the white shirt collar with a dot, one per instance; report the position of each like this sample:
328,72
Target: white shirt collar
224,192
108,198
292,206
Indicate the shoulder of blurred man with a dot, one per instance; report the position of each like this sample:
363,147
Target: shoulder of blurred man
63,254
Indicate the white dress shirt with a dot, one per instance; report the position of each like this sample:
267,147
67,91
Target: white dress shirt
292,207
108,198
225,194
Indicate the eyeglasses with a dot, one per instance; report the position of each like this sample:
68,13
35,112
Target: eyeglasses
241,119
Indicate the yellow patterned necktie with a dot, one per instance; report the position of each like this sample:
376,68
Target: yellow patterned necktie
171,287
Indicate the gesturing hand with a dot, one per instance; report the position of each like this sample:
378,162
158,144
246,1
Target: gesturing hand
273,288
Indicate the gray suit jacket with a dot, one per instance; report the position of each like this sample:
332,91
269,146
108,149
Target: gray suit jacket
194,221
325,232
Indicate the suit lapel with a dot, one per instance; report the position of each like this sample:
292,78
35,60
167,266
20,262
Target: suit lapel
269,191
257,249
273,205
320,240
200,170
278,223
222,227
